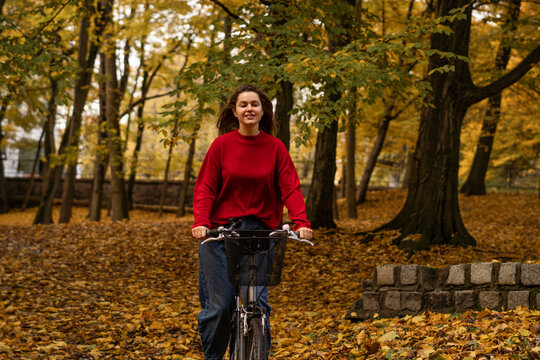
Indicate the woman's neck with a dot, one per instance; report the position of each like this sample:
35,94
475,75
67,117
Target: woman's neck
249,131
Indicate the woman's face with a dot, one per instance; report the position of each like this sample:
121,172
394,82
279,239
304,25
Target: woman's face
249,112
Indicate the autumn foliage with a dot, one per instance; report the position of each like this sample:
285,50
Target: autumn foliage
128,290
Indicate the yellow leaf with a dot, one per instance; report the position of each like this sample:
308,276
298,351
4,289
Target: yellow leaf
389,336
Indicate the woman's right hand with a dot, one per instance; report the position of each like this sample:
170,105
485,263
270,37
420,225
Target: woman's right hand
199,232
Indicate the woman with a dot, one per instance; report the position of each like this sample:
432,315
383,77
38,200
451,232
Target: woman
247,174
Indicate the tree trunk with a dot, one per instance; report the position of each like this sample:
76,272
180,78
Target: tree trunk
102,158
321,192
167,167
135,158
475,183
432,208
33,174
187,179
86,60
118,199
373,155
350,181
3,193
284,105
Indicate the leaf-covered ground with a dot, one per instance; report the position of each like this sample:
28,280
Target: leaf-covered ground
129,290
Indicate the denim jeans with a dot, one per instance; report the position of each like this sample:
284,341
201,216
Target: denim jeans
216,295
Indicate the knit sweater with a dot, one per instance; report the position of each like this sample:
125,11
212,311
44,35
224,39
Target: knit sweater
244,176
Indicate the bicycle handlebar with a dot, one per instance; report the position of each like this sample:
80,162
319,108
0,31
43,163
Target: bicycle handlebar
221,233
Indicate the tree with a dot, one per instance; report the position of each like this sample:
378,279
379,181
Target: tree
431,213
475,183
321,192
112,100
86,57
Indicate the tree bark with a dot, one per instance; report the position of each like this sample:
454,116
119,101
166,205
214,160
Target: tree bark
431,212
118,199
135,157
86,58
321,192
284,106
475,183
102,159
187,179
3,193
373,155
350,173
167,167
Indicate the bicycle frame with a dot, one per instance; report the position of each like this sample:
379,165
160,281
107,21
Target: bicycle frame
249,319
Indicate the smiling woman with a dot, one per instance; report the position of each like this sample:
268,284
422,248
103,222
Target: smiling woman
247,177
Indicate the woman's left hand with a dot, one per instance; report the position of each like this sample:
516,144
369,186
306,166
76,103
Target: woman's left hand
305,233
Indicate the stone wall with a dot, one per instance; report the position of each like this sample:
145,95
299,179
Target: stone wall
145,192
396,290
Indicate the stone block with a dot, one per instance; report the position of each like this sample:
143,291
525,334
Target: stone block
392,300
426,278
409,274
440,301
456,275
464,300
530,274
411,300
371,301
518,298
489,299
481,273
385,274
508,274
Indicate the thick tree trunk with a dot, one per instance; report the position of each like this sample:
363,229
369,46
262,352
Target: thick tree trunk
187,179
475,183
102,158
431,212
284,105
321,192
350,181
373,156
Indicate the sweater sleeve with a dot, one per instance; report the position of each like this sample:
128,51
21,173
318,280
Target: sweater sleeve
289,187
206,187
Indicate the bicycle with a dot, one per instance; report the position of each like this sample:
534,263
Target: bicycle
254,258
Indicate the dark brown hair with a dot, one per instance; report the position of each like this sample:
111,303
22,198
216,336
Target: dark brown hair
227,122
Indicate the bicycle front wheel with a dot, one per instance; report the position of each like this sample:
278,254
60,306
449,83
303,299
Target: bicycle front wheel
256,340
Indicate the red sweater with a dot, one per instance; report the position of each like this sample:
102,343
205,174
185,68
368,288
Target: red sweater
247,175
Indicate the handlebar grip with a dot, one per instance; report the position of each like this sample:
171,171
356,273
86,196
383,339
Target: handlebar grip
212,233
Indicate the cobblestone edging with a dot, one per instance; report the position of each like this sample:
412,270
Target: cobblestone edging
396,290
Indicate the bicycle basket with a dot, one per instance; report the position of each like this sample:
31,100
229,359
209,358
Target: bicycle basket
255,260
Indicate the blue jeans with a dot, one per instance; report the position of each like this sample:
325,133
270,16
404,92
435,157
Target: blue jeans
216,295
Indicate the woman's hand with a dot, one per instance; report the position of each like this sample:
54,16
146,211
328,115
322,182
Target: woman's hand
305,233
199,232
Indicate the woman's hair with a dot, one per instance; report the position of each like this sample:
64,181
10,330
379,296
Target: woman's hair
227,122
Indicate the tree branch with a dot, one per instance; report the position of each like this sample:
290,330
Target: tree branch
229,12
481,93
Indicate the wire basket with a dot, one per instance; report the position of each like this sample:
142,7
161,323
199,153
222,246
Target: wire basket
255,259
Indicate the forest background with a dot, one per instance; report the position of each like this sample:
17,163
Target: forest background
127,90
435,96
